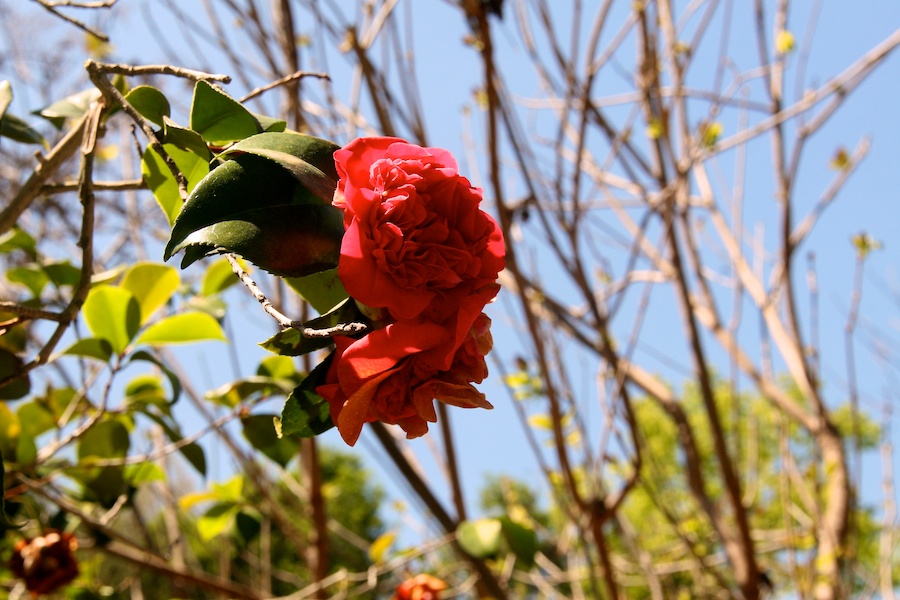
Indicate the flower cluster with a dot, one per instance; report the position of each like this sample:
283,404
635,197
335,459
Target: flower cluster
421,587
417,248
45,563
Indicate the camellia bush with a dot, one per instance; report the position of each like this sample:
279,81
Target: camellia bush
586,262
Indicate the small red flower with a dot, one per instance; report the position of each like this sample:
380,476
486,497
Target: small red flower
45,563
421,587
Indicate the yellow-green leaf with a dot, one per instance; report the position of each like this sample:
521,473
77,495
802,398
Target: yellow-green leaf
185,328
152,285
112,313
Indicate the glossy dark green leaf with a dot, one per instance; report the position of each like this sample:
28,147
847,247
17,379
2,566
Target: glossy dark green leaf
98,348
259,430
218,117
322,290
150,103
305,413
309,159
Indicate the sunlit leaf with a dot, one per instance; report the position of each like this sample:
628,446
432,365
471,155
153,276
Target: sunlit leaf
233,393
32,277
112,313
152,284
379,548
184,328
322,290
62,273
161,181
71,107
216,521
145,472
35,419
150,103
480,538
219,118
784,42
218,277
98,348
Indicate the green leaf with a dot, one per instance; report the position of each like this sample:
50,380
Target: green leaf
305,413
309,159
290,342
106,439
5,523
35,419
16,129
323,290
270,124
233,393
112,313
150,103
192,452
522,540
16,239
185,328
63,273
218,117
11,364
98,348
247,526
277,367
152,285
161,181
9,431
145,389
218,277
186,139
480,538
174,382
259,430
145,472
71,107
215,521
32,277
231,490
253,207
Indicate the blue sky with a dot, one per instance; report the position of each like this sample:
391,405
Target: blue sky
491,442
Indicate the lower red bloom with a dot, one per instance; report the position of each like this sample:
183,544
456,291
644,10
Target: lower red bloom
395,374
45,563
420,587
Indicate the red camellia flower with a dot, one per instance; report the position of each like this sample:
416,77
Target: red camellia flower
45,563
416,242
421,587
395,374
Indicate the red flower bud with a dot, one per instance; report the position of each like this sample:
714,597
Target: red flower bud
45,563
